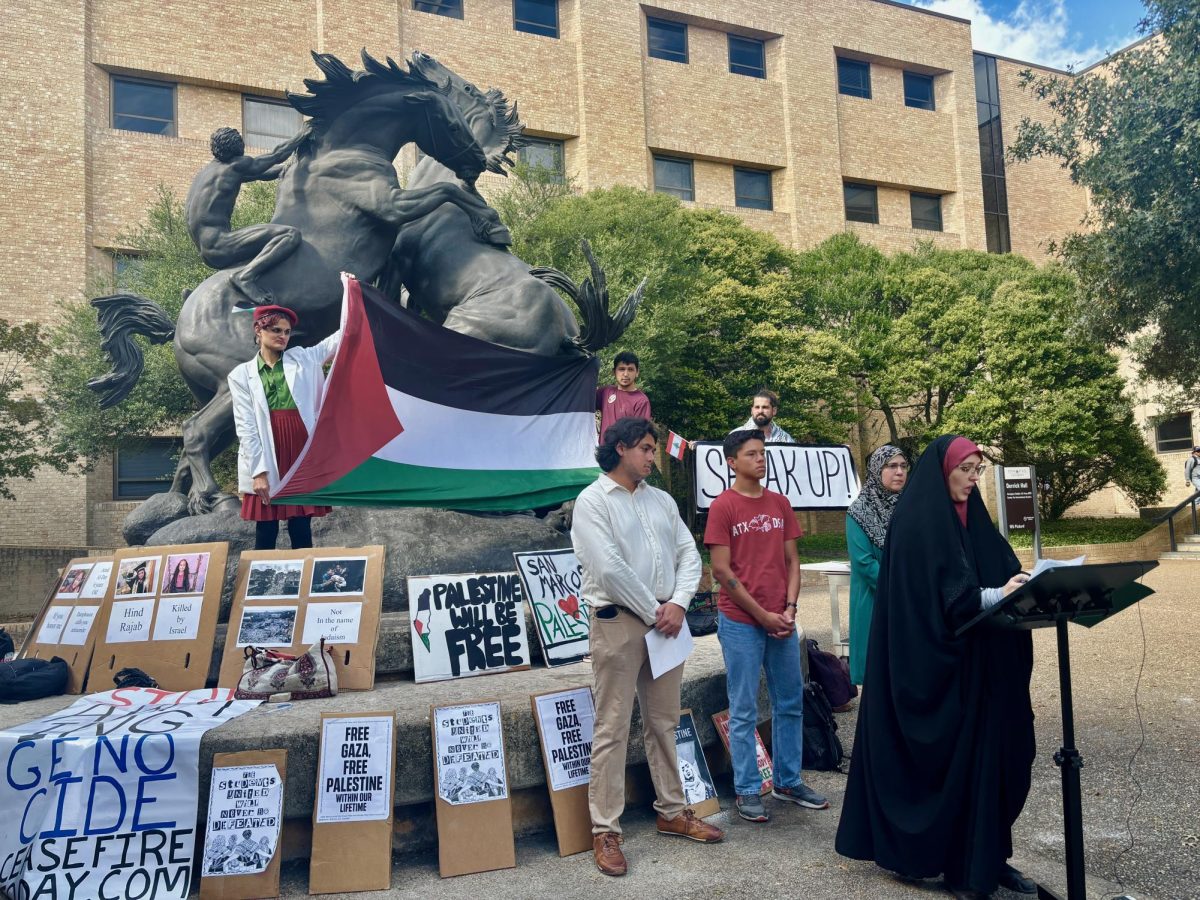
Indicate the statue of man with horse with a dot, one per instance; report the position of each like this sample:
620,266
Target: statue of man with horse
435,240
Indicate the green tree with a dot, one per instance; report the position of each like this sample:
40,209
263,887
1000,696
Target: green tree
163,264
24,417
1130,135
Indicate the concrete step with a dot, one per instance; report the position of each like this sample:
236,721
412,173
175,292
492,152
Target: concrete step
1190,539
1193,557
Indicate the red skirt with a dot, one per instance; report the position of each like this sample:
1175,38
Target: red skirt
289,434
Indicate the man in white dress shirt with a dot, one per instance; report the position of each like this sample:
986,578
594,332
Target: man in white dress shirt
640,571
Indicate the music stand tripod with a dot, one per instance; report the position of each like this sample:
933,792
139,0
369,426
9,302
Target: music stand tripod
1085,595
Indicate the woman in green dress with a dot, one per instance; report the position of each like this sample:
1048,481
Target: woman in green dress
866,529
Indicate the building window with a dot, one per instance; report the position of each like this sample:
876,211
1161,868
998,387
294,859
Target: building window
991,155
752,188
862,202
268,123
854,78
666,40
1174,434
146,469
918,90
544,154
674,176
926,211
146,106
536,17
747,57
451,8
124,265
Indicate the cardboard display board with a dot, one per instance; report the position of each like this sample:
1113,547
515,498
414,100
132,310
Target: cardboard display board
564,722
244,826
471,798
699,789
160,615
66,627
553,582
290,599
465,625
765,769
352,814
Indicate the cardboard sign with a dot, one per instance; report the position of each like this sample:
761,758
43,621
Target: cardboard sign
289,600
160,615
465,625
65,627
699,789
352,816
564,722
553,582
101,797
765,769
474,811
245,817
811,477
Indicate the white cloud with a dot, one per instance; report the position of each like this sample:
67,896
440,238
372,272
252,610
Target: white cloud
1037,31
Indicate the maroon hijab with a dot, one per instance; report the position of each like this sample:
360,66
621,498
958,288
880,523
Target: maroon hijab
960,448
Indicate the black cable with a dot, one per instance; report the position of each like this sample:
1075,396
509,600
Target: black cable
1132,759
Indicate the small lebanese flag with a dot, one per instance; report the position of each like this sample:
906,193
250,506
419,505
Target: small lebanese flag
675,445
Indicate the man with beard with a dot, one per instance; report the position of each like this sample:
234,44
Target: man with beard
763,411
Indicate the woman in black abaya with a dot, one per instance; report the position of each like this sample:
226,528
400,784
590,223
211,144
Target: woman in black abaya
944,746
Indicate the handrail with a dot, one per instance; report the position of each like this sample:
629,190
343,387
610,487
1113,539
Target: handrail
1169,518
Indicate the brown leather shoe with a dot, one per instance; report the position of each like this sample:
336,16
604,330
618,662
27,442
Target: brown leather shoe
687,825
609,858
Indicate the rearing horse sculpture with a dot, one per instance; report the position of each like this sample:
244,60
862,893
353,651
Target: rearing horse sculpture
341,192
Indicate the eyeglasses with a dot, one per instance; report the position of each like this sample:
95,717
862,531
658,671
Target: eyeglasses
282,332
896,467
969,469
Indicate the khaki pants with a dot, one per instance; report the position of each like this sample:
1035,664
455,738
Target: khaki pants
620,669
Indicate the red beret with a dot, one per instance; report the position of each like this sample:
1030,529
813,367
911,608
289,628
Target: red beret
261,312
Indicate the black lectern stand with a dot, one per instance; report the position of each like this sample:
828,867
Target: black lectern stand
1086,595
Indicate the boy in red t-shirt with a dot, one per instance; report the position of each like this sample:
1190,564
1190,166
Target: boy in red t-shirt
751,536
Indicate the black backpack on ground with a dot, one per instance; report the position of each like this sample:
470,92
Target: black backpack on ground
6,644
822,747
29,679
833,674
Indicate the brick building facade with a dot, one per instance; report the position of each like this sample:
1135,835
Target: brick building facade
781,112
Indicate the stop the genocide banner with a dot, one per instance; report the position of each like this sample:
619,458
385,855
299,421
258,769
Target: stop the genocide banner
99,800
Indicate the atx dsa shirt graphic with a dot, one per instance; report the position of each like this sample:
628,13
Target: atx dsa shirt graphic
762,523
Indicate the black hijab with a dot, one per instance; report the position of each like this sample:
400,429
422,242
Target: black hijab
944,744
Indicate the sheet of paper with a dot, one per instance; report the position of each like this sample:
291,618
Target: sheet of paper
52,625
1046,565
130,621
667,653
336,622
245,806
568,719
178,618
356,757
79,626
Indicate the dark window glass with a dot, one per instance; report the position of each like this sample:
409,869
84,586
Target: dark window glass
981,83
124,264
752,188
666,40
536,17
747,57
674,177
926,211
862,202
143,106
918,90
1174,434
854,78
145,469
451,8
991,155
540,153
268,123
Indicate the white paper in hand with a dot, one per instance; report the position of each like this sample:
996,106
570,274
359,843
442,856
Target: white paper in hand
1049,565
667,653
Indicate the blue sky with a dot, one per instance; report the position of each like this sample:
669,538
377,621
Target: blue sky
1057,33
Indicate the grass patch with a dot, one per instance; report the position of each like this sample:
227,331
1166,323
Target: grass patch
822,547
1066,532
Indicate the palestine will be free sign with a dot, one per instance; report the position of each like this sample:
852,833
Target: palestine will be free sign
99,800
811,477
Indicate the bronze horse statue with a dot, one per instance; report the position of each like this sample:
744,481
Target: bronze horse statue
342,194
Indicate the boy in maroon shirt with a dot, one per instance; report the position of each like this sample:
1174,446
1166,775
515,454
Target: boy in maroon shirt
751,536
622,400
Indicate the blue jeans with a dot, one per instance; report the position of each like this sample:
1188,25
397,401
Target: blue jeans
748,650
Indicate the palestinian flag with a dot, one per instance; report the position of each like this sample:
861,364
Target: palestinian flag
420,623
415,414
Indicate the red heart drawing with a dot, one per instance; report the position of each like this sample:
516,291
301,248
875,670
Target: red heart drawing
570,606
